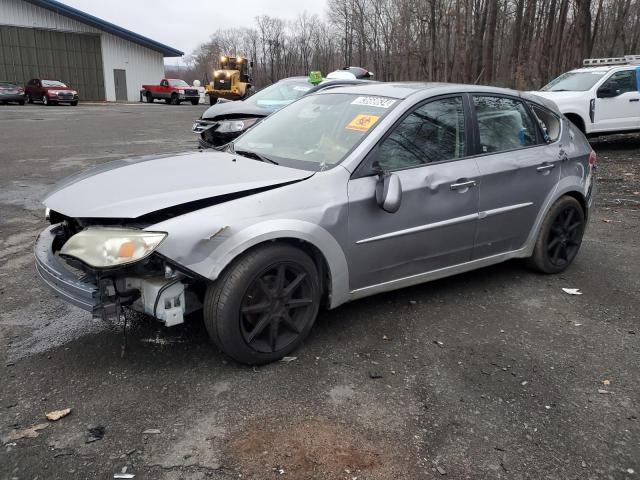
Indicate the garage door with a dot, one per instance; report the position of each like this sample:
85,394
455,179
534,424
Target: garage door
74,58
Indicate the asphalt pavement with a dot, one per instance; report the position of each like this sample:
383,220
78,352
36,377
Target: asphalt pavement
495,374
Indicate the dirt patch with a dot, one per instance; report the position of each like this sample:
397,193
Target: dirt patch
310,449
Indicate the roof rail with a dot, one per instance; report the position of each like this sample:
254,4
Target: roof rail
626,60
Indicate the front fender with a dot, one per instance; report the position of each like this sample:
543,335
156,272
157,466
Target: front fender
230,247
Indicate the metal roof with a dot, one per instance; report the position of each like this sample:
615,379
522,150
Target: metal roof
109,27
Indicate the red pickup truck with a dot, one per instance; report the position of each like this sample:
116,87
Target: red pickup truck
172,91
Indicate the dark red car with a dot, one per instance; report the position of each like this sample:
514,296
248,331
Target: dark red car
50,92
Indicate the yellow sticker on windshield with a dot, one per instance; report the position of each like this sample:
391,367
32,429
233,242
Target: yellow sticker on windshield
362,123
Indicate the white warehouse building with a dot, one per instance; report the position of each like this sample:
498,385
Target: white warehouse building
48,39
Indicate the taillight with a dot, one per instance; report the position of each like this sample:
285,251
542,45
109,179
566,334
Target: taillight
593,158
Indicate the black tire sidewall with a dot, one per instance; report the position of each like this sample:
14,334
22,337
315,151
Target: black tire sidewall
224,299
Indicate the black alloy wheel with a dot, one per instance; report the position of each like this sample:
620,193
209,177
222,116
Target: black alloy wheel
276,307
560,236
565,236
263,305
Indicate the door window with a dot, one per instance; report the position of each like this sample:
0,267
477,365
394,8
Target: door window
431,133
504,124
625,80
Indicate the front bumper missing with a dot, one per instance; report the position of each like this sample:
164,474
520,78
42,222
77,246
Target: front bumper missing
81,292
162,298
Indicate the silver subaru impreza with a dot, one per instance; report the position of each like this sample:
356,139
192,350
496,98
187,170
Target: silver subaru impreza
343,194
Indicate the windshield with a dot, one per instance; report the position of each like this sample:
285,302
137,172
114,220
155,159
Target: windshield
53,83
178,83
573,82
279,94
7,85
317,131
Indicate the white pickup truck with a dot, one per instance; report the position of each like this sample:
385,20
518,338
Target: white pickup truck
600,98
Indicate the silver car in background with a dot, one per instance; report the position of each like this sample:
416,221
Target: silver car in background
342,194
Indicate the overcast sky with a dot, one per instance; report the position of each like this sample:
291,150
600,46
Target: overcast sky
193,20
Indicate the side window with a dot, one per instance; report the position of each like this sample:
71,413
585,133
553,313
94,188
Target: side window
164,83
504,124
549,122
626,81
432,133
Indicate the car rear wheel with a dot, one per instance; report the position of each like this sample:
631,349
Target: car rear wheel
560,236
149,97
264,304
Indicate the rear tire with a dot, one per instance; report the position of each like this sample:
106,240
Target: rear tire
149,97
560,236
264,304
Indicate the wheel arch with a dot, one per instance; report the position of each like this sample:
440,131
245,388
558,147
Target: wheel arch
577,120
314,240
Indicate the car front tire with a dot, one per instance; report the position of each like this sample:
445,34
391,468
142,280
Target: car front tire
560,236
264,304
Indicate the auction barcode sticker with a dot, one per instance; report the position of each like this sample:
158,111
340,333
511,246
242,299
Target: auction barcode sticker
380,102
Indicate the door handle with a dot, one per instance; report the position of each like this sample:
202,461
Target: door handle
545,167
463,185
634,99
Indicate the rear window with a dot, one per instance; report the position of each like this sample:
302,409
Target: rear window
549,122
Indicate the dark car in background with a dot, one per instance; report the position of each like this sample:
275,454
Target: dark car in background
224,121
11,92
50,92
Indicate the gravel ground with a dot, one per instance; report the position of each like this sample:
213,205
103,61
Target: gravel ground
492,374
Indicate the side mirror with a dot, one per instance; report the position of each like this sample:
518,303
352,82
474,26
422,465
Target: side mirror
608,90
388,192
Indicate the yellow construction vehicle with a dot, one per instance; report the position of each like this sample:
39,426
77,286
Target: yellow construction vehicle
232,81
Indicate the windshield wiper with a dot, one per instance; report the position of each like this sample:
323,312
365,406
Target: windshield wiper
255,155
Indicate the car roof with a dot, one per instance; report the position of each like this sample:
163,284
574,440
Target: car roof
402,90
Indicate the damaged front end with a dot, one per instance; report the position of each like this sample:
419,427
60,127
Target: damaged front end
150,284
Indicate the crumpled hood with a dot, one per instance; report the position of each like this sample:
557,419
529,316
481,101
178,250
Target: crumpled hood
236,109
134,187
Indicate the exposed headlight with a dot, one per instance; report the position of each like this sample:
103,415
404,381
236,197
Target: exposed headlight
181,92
74,92
54,92
231,126
110,247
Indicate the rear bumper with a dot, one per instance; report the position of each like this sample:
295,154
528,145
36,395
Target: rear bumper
55,275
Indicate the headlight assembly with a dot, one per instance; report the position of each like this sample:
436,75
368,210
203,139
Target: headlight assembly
111,247
232,126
